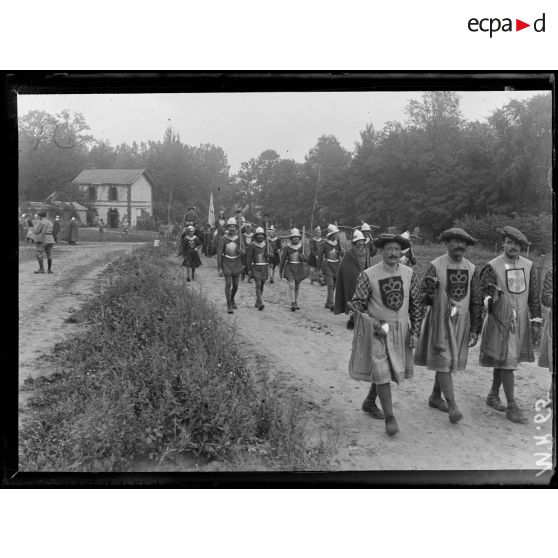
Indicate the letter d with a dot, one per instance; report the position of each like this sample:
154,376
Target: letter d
535,25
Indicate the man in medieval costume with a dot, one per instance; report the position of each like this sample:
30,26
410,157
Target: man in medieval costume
387,294
450,290
275,248
356,260
315,271
190,246
229,263
510,291
220,228
545,357
291,265
191,216
329,255
256,264
366,230
248,235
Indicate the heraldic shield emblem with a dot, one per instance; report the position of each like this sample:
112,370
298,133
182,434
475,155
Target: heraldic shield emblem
391,290
458,283
515,280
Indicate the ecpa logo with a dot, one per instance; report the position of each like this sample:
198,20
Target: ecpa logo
492,25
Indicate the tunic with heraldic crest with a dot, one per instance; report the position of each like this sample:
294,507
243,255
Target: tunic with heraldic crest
228,255
506,338
454,311
392,297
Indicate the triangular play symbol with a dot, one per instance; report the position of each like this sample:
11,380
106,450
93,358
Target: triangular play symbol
519,25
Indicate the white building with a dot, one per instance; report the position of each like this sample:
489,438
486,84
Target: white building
118,195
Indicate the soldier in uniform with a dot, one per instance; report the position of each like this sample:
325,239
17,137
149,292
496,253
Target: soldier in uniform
388,292
248,239
256,264
292,266
275,247
229,263
510,290
329,255
451,292
368,240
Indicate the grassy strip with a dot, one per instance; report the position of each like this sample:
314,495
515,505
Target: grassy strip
158,374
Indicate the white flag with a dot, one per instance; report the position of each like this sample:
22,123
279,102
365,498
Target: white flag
211,214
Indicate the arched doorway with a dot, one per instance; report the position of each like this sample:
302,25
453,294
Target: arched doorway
112,218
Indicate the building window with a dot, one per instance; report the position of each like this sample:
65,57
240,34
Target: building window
92,192
113,194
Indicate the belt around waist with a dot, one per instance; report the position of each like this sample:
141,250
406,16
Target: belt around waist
294,262
333,261
260,263
231,257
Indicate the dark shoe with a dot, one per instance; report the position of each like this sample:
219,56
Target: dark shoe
351,323
188,279
297,306
50,271
326,306
229,309
515,414
271,281
373,409
39,271
293,307
492,400
261,307
391,426
332,308
233,305
438,403
455,414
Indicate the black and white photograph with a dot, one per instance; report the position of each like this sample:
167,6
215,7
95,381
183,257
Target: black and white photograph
252,279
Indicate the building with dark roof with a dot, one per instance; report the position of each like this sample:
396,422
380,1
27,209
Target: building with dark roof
118,195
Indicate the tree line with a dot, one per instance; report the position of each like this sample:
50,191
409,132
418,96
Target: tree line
428,171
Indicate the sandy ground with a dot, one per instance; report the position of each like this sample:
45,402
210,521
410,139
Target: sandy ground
309,351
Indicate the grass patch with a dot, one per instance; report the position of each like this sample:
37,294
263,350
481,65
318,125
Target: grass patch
159,375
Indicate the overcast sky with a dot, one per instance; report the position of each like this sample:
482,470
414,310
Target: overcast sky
245,124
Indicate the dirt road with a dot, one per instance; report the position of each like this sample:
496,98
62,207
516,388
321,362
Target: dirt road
46,301
310,350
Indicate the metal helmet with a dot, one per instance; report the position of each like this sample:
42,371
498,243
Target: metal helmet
357,235
295,232
331,229
232,221
365,227
259,230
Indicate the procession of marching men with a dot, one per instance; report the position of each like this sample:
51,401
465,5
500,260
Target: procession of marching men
398,321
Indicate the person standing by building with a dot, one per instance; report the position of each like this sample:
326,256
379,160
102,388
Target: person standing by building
388,294
329,255
101,230
229,263
291,266
450,290
44,241
509,288
257,264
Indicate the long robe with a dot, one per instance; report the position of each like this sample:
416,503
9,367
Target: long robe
352,264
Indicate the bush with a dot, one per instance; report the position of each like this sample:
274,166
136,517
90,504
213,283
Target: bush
537,229
157,374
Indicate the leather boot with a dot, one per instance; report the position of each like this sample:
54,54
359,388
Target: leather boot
384,393
515,414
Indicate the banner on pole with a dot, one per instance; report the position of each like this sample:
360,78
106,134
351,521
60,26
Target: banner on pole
211,214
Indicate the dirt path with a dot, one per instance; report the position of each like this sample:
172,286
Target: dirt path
310,350
46,301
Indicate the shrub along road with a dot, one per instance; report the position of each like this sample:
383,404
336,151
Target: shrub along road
310,348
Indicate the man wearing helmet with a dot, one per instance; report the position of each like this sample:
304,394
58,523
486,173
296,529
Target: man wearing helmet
248,236
229,263
292,266
256,264
366,230
315,272
329,255
275,247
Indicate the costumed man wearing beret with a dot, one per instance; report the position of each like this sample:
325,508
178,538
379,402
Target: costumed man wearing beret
451,291
329,254
256,264
229,263
291,266
510,291
388,293
545,356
